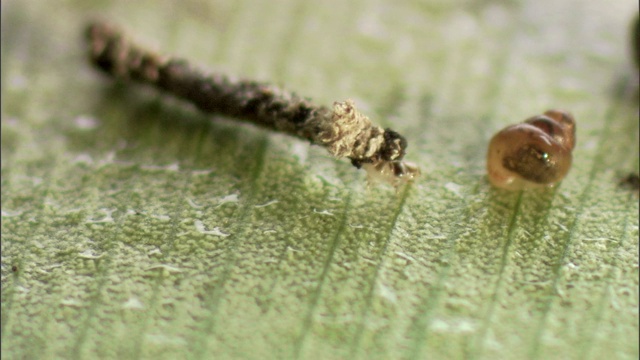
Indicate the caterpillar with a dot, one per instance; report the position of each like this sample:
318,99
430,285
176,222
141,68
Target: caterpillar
341,129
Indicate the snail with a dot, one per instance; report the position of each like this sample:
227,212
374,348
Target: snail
532,154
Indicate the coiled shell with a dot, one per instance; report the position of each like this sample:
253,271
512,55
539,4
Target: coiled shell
533,154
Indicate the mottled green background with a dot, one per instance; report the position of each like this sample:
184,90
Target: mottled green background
138,228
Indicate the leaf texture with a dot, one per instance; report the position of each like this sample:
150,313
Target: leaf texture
135,227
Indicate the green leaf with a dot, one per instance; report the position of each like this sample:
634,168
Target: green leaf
135,227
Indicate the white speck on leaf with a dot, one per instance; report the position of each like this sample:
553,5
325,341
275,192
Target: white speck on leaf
435,237
454,188
133,303
71,303
90,254
232,198
201,228
170,167
201,172
387,293
323,212
267,204
86,122
167,268
405,256
193,204
601,239
106,218
9,213
561,226
109,158
83,158
453,325
22,290
161,217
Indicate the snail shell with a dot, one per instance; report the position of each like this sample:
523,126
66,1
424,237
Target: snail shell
533,154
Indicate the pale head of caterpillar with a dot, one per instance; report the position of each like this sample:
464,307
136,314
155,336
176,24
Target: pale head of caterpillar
395,173
532,154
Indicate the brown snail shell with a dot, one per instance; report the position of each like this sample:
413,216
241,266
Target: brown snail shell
532,154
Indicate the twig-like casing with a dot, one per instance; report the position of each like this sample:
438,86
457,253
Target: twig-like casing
342,130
